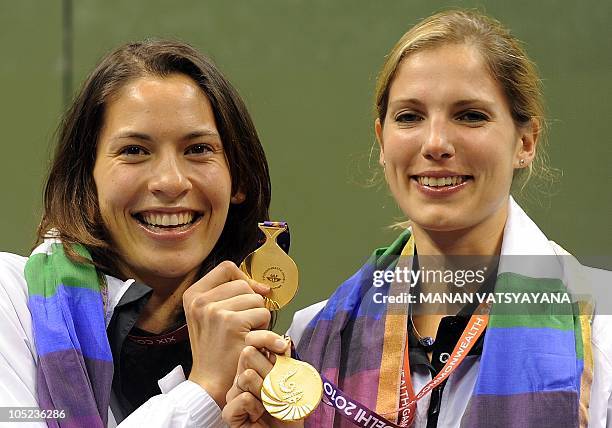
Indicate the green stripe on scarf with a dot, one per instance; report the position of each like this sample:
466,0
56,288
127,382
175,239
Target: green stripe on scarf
536,315
45,272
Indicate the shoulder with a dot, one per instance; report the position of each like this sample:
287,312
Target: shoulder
11,265
601,338
13,286
17,350
302,318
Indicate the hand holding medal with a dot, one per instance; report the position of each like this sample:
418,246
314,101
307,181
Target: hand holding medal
291,389
268,373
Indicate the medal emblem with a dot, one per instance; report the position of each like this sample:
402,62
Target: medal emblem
270,265
292,389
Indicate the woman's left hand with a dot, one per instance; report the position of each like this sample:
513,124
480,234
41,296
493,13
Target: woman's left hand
244,407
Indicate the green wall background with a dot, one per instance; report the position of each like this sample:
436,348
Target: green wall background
306,70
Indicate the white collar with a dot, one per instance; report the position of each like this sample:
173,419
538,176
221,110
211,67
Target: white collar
116,288
525,249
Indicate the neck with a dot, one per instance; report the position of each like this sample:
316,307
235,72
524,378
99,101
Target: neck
165,304
483,239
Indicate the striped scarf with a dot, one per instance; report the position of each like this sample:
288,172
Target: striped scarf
75,368
535,371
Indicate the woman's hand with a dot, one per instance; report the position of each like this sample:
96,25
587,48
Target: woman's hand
244,407
221,308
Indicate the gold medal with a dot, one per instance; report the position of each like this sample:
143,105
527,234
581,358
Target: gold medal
292,389
270,265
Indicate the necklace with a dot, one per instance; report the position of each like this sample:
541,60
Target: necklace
427,342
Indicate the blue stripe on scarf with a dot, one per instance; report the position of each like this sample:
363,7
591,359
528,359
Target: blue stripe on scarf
350,294
59,330
542,359
344,297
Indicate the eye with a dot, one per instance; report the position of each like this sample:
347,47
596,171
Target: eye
134,151
408,117
199,149
472,116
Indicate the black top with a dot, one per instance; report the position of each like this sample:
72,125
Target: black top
449,332
137,368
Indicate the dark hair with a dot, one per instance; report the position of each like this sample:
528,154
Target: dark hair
70,197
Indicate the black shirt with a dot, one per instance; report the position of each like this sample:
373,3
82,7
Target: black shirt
448,334
137,368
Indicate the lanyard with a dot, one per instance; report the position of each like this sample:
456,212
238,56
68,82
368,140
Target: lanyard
408,399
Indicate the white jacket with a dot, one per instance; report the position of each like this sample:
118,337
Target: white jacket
521,237
182,404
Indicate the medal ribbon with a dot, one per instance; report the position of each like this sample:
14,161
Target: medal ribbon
362,416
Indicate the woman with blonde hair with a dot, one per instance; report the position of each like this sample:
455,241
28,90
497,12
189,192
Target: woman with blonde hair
459,120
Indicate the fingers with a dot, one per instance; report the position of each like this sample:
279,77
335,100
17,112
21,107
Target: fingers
248,381
227,272
253,367
268,340
243,409
256,319
241,302
193,298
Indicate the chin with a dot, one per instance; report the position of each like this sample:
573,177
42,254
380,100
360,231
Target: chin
439,225
171,269
437,218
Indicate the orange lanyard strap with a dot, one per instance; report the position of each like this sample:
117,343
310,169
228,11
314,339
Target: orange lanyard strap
408,400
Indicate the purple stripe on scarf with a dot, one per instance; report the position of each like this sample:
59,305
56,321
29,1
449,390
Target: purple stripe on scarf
363,387
367,347
55,329
67,376
531,410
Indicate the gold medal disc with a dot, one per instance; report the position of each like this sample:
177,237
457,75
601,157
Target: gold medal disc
270,265
292,389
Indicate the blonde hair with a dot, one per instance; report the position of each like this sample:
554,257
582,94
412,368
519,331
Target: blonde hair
504,56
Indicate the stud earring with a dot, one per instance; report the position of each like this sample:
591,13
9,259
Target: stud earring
522,162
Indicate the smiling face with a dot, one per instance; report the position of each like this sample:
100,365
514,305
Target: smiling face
163,183
449,143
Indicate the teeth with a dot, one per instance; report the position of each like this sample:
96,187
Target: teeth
440,181
168,219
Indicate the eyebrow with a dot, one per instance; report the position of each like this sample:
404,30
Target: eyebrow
145,137
459,103
402,101
472,101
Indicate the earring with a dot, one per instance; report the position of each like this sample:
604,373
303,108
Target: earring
522,162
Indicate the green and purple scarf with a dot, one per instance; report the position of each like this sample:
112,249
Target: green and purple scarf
535,371
75,367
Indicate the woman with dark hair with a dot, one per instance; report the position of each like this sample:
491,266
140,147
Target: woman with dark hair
154,195
459,120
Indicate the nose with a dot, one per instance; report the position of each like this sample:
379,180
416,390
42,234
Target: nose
437,145
169,180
